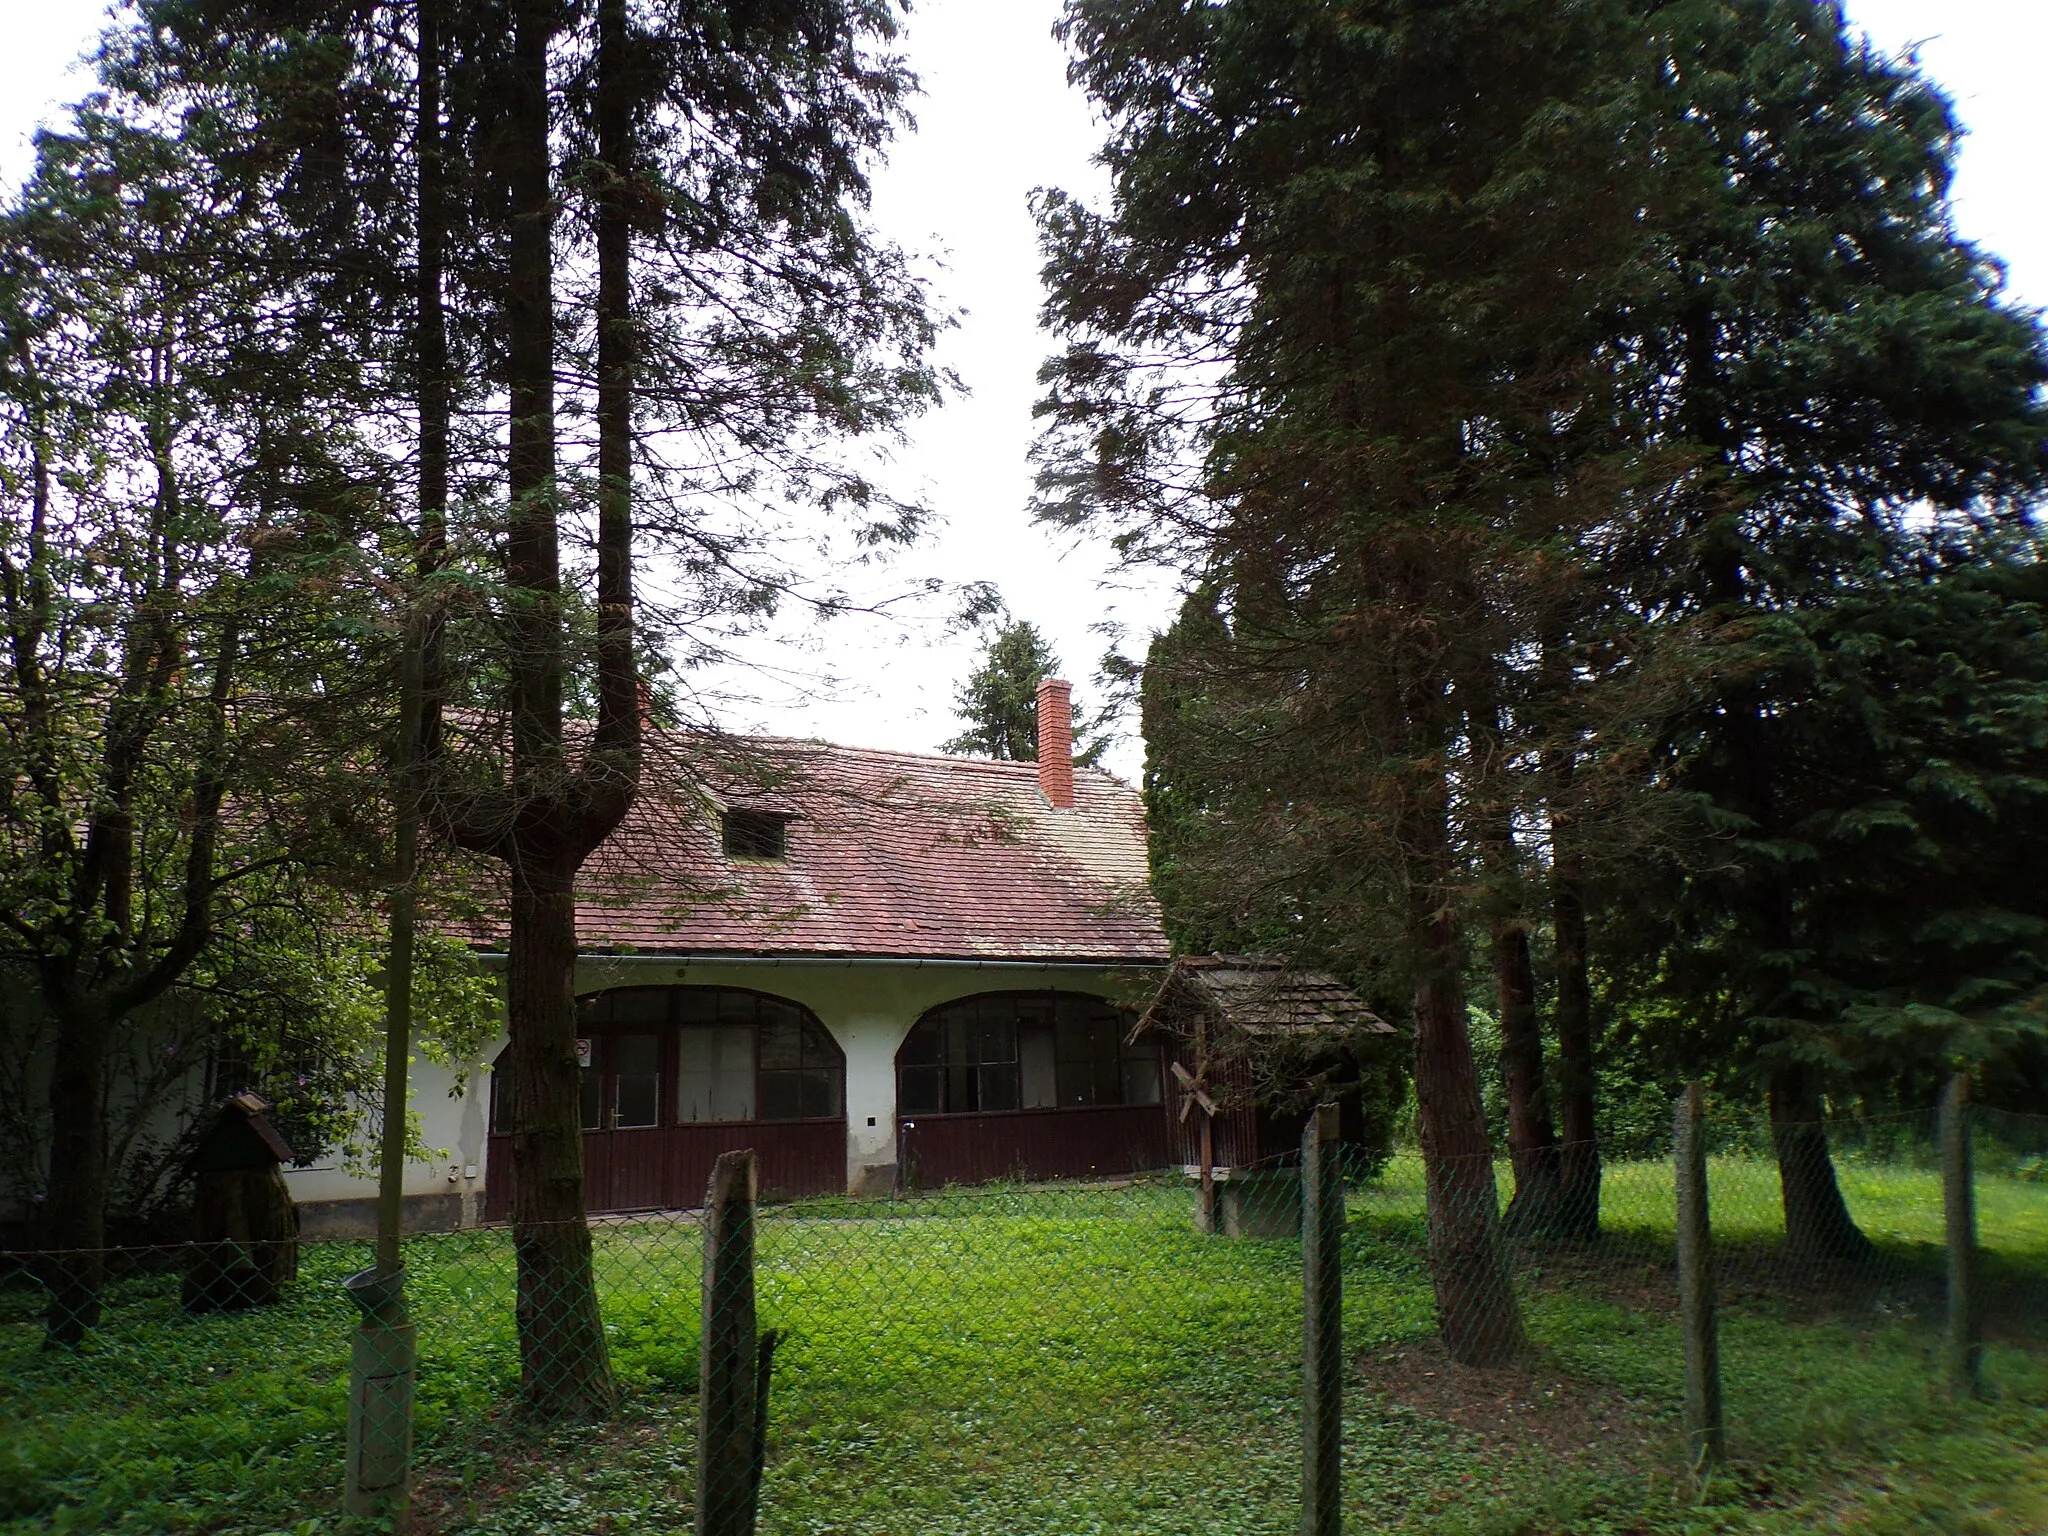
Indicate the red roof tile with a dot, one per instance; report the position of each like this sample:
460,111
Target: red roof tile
889,853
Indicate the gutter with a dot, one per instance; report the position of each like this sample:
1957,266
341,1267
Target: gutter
498,958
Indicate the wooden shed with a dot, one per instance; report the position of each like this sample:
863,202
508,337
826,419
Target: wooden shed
1253,1044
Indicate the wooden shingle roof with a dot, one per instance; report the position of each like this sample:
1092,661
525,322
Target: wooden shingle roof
1257,995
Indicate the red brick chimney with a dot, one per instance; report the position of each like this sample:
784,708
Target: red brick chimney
1056,742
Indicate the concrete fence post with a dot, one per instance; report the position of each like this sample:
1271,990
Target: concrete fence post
1706,1440
1963,1345
729,1379
1322,1374
381,1367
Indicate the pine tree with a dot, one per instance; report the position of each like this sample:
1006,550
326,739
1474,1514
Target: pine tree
649,218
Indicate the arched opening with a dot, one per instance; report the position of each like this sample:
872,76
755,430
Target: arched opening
673,1076
1033,1085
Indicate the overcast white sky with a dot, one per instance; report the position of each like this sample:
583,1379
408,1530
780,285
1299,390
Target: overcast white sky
997,120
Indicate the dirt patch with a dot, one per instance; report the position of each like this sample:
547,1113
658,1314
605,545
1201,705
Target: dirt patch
1532,1405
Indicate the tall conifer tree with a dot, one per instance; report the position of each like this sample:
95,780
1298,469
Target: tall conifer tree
1332,353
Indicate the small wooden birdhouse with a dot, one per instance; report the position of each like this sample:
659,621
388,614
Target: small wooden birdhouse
245,1225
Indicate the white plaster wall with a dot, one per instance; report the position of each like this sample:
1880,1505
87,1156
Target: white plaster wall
451,1124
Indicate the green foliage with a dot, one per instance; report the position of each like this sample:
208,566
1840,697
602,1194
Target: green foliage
998,700
1858,746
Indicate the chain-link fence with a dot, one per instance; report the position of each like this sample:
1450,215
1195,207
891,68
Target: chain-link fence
1046,1358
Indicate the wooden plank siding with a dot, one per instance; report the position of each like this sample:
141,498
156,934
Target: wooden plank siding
668,1167
1036,1144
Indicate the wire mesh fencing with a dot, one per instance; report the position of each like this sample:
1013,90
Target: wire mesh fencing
1025,1358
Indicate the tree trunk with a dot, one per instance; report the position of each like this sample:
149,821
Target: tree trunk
1475,1297
1578,1213
565,1367
1532,1140
1818,1227
76,1226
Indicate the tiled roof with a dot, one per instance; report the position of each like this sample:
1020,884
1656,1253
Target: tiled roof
1259,995
889,854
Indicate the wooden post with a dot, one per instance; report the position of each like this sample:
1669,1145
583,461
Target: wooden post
1205,1202
1963,1347
1706,1440
1322,1362
728,1377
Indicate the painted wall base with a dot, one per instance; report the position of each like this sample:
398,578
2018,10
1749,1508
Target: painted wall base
448,1212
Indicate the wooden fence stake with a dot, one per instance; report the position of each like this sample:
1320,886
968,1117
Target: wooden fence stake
1322,1372
1963,1348
728,1375
1706,1439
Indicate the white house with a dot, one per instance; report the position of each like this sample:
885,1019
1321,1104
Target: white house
871,967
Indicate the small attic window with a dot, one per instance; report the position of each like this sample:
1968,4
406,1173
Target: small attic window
756,835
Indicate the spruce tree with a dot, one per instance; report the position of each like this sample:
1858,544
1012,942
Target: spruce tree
998,700
1845,374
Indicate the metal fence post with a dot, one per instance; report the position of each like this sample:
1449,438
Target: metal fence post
1322,1374
728,1377
1706,1441
1963,1348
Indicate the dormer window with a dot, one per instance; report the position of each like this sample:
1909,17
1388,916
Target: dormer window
756,835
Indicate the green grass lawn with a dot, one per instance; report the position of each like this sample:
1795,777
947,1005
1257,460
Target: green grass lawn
1076,1361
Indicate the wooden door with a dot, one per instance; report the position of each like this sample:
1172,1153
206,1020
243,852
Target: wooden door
622,1151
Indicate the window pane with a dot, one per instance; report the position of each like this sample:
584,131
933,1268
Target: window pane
781,1095
781,1040
819,1048
918,1090
959,1089
820,1092
998,1085
638,1095
594,1008
737,1005
715,1076
637,1055
735,1094
591,1100
1075,1040
995,1039
921,1045
1035,1064
696,1005
1141,1077
755,835
1109,1082
1076,1083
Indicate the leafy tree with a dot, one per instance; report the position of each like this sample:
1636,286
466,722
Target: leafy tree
179,499
998,701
